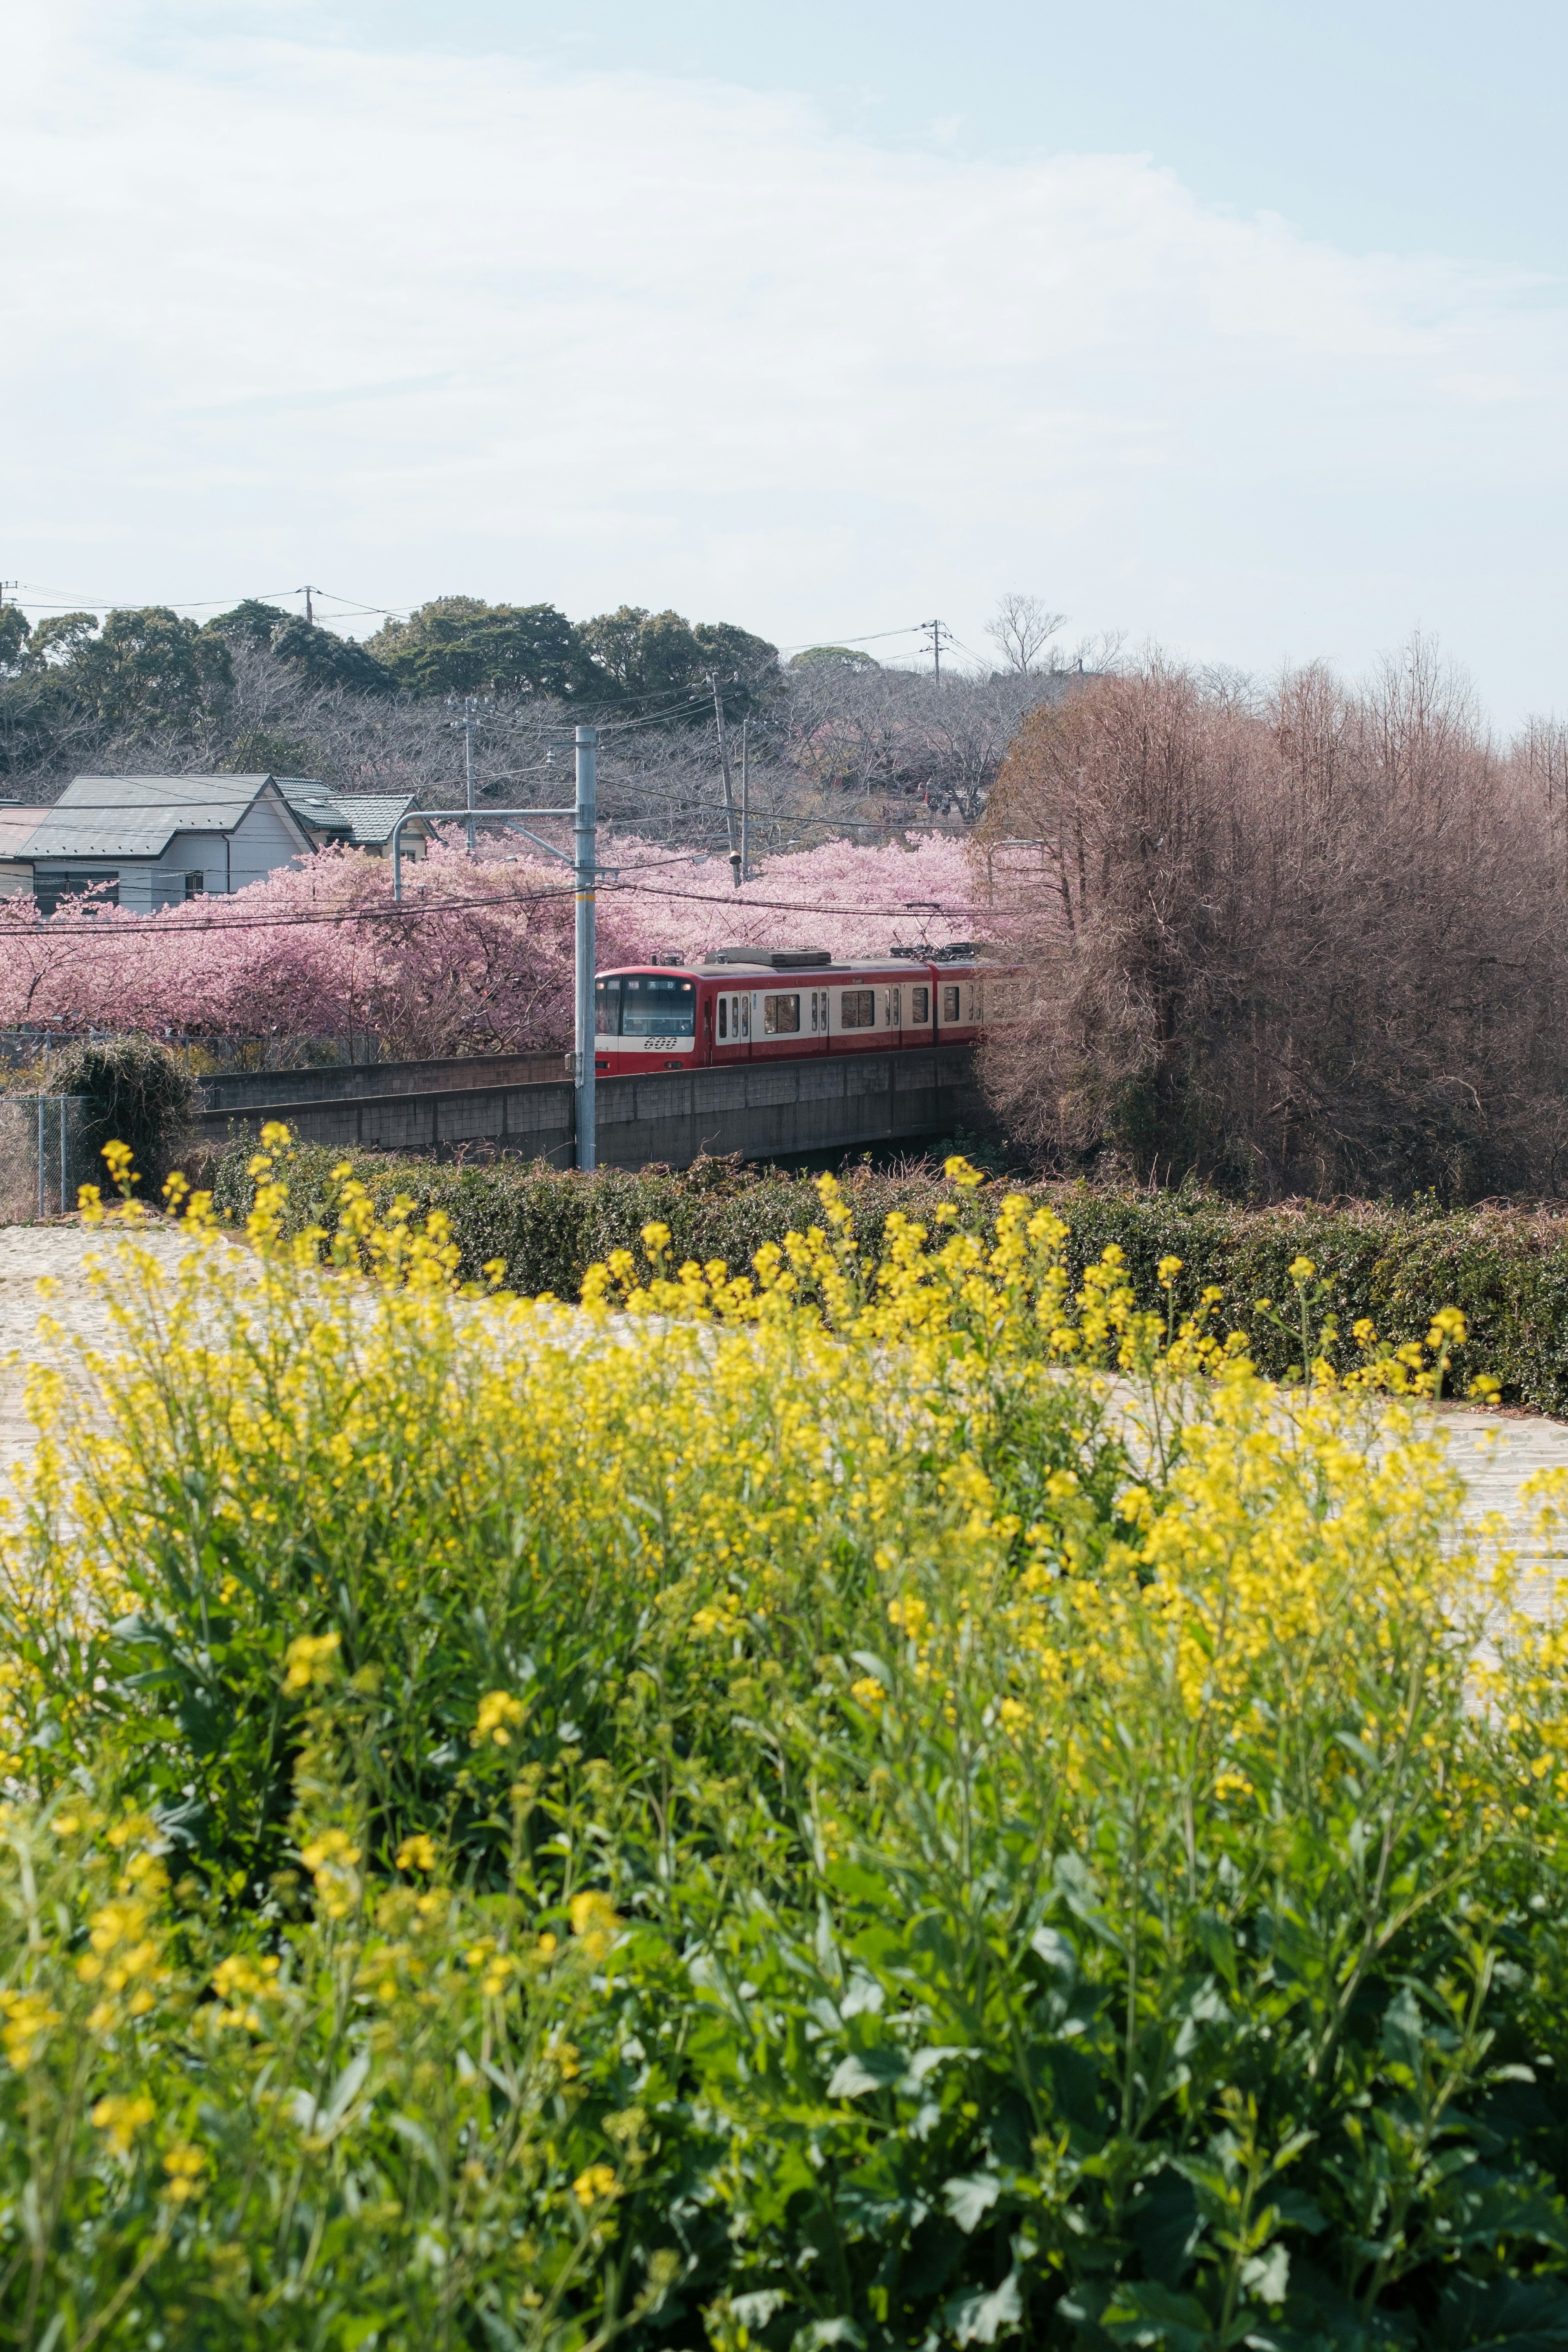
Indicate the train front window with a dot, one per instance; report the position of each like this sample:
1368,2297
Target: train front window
607,1008
656,1005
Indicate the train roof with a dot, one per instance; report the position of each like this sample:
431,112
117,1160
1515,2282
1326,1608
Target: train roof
803,964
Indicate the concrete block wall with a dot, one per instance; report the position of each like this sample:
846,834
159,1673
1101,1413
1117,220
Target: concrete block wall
244,1090
765,1111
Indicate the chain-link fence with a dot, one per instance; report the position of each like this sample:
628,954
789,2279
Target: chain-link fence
44,1154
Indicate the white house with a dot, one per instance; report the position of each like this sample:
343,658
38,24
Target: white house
154,841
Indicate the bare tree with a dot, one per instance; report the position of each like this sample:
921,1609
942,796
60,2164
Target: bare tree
1313,941
1020,628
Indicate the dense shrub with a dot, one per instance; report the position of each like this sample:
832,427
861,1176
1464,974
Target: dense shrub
1507,1269
140,1095
784,1815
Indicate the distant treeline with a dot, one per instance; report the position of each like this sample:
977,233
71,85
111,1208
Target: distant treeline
153,670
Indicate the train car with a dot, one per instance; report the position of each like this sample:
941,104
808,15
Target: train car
754,1004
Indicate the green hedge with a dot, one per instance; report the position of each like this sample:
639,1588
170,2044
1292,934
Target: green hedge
1507,1269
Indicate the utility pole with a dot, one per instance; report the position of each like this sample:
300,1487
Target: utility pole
585,824
938,630
729,780
309,608
745,796
467,723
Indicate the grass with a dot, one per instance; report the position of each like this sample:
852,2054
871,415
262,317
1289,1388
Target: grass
899,1798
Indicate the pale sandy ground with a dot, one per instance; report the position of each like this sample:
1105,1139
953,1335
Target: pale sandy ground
27,1252
1494,1453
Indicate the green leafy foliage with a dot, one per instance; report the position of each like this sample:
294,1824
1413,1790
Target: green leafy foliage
141,1093
460,644
776,1818
659,663
323,658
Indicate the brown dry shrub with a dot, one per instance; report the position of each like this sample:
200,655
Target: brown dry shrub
1314,943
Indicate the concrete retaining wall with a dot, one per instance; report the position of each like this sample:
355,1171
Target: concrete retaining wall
246,1090
766,1110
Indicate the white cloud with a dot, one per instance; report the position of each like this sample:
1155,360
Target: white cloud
407,324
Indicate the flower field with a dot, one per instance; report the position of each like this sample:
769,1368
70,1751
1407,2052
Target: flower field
898,1801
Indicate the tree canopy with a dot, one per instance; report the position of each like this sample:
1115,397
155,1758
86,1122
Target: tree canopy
323,658
657,664
460,644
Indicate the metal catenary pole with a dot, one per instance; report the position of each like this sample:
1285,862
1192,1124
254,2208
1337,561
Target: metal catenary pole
585,826
746,796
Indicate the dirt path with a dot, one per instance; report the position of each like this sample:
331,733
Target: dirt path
26,1253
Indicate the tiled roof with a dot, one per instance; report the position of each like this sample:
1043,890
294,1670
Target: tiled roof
371,817
363,819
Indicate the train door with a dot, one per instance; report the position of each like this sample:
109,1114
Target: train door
732,1026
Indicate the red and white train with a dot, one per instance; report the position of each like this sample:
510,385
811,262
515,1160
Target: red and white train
756,1005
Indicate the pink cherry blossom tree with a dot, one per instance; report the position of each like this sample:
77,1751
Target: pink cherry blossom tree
478,959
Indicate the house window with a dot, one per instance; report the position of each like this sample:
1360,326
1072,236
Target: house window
858,1009
50,886
781,1016
195,885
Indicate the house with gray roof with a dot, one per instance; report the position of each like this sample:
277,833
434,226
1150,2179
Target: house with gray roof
359,820
155,841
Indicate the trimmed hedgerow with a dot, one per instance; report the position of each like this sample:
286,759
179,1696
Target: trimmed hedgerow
1506,1269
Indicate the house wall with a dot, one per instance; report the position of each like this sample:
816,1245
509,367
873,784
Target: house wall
262,841
188,852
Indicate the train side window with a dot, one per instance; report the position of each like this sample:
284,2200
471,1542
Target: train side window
723,1016
858,1009
743,1005
950,1005
920,1006
780,1016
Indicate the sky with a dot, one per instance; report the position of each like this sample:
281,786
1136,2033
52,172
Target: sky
1239,329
